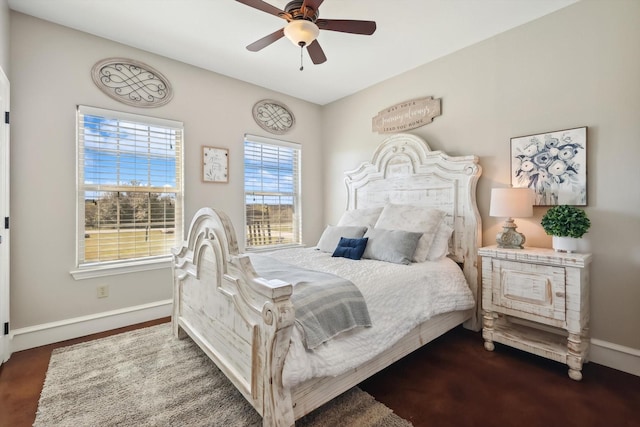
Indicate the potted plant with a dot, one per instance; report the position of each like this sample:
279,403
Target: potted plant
566,224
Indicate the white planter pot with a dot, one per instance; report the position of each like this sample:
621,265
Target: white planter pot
565,244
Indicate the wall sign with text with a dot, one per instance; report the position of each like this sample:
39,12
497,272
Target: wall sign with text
407,115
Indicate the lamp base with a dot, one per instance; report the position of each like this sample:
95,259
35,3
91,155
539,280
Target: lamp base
509,238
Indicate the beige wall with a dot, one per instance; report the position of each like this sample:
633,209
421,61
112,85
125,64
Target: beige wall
4,36
51,74
577,67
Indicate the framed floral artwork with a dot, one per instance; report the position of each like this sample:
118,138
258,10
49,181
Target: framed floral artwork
553,165
215,164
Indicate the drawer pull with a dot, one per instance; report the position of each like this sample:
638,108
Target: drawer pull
560,294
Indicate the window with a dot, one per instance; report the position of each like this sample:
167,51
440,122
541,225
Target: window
272,192
129,187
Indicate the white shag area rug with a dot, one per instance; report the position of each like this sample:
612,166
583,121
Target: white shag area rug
147,377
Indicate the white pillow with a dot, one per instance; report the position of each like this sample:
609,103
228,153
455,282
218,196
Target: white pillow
413,218
440,246
365,217
332,234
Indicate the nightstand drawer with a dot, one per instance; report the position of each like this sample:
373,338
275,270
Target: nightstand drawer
532,291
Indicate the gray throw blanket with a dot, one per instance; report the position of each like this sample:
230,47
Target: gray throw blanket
325,304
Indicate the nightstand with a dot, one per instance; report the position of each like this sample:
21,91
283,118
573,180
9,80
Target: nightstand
537,300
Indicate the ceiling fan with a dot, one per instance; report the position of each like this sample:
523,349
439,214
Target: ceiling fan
304,26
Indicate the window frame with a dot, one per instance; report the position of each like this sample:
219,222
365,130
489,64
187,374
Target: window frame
85,270
297,193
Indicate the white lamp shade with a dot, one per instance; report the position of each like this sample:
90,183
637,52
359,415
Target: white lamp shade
511,202
301,31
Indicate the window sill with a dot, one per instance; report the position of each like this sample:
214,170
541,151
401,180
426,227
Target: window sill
93,271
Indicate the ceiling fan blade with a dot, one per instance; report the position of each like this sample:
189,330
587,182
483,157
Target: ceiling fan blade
263,6
347,26
313,4
316,53
266,40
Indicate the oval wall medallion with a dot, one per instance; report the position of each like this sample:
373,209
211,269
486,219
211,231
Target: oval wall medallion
132,82
273,116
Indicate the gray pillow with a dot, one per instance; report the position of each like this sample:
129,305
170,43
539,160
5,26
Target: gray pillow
395,246
413,218
331,236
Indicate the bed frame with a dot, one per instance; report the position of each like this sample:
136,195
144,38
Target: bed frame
244,322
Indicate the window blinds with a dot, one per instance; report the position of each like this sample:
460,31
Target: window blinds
272,192
129,186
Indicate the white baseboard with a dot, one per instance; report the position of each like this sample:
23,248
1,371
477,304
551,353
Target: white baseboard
625,359
48,333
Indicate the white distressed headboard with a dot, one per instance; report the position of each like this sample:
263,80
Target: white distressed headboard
404,170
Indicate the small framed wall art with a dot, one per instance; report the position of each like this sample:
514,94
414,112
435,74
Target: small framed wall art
553,165
215,164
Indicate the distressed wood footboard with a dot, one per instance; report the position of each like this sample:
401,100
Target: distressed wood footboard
241,321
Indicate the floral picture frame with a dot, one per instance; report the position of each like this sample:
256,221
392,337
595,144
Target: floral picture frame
553,165
215,164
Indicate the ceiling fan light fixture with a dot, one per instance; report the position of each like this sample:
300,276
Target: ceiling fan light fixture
301,32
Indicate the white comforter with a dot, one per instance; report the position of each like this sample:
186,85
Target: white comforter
399,297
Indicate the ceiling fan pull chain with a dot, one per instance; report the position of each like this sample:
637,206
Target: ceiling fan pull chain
301,49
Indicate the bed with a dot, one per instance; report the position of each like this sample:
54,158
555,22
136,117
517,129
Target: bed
246,323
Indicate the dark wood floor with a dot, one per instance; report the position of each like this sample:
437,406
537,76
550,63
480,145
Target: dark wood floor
452,381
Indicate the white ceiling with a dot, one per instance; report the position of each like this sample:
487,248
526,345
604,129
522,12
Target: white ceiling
213,34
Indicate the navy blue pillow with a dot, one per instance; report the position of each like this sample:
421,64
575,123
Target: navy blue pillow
350,248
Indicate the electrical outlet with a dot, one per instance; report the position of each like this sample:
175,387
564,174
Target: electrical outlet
103,291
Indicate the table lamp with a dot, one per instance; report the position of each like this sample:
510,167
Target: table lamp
511,202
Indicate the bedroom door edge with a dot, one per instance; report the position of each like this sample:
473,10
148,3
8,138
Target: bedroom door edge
5,337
